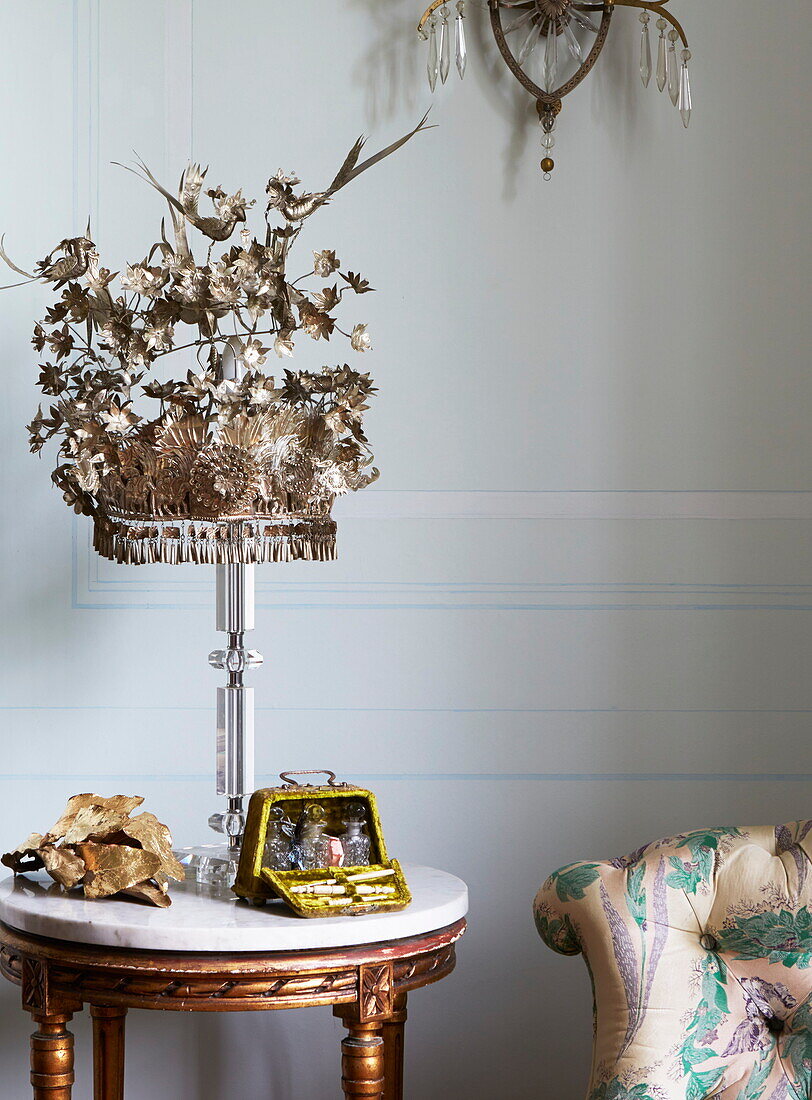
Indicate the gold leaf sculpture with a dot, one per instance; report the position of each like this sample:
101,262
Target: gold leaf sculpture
98,845
235,465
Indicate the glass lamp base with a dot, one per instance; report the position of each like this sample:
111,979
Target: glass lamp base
210,868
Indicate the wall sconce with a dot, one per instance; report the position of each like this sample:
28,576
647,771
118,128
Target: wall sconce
573,33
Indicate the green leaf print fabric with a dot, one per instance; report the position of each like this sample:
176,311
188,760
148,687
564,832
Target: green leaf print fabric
699,947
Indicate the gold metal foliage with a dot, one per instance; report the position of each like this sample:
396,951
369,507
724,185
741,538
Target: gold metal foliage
238,465
96,844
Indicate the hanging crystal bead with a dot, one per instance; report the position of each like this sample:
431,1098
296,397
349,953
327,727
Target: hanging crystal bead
547,113
530,43
547,117
551,55
433,68
462,51
673,67
661,62
645,50
583,20
572,42
684,102
445,46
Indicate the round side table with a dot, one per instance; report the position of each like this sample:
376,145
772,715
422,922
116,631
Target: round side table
211,953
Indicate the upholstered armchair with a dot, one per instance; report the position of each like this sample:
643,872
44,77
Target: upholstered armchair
700,952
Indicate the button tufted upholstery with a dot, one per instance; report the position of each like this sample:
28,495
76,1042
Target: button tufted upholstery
700,952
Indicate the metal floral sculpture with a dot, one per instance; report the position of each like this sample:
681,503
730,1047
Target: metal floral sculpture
236,466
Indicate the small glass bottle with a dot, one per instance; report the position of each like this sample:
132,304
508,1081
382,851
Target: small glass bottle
312,844
356,841
278,842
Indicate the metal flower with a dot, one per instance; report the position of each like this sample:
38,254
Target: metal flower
325,263
118,418
251,354
283,346
360,339
144,280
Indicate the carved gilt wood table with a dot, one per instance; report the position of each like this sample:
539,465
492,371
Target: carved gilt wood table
210,953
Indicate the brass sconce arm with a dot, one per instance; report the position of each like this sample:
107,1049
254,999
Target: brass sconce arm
656,7
427,14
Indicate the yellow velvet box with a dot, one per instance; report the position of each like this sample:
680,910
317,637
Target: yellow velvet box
258,882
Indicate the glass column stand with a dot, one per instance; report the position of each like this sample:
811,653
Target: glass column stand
215,865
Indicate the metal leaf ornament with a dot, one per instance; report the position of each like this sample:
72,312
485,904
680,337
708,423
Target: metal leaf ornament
97,845
237,464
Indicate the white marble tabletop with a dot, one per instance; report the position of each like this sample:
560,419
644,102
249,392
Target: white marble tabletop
218,922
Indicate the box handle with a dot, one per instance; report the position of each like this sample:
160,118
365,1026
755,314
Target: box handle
331,782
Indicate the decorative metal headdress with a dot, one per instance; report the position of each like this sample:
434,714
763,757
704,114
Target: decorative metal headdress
236,467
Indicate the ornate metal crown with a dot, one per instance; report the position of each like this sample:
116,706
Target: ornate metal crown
236,466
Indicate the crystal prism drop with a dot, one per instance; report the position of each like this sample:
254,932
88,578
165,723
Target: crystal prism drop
572,42
462,51
661,62
433,68
551,56
684,103
445,48
645,52
530,43
583,20
673,73
520,21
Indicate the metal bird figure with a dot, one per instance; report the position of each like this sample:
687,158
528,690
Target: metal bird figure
73,264
292,207
295,208
77,253
230,209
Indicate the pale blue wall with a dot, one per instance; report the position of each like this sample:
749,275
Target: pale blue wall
618,651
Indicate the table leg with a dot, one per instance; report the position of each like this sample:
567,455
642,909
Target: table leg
108,1052
52,1057
362,1059
393,1028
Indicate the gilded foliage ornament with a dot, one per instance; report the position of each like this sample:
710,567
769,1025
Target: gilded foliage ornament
97,845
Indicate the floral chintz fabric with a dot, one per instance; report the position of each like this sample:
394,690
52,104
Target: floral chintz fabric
699,948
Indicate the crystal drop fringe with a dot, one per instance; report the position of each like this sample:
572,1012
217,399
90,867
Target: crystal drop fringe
432,67
662,74
551,56
645,55
572,42
445,47
673,73
520,22
530,43
583,20
461,51
684,103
